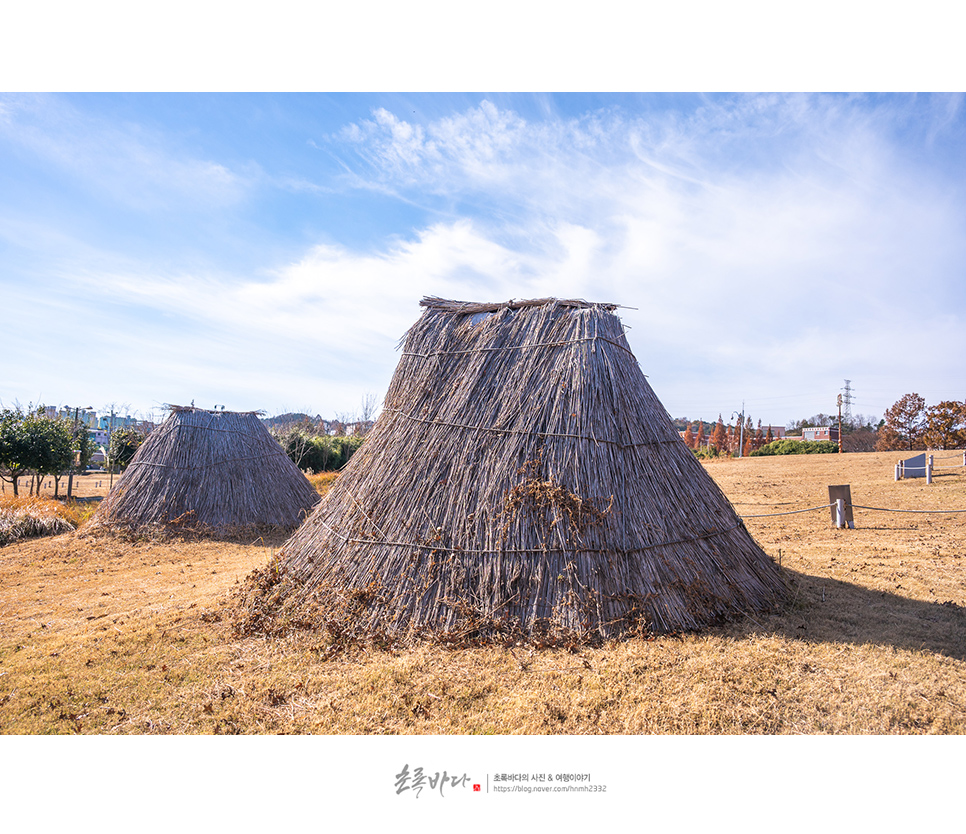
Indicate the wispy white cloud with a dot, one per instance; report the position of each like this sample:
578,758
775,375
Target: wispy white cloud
128,163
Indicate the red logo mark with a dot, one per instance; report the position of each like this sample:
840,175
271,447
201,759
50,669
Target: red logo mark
476,787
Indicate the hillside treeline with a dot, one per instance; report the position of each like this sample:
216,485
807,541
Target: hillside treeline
908,425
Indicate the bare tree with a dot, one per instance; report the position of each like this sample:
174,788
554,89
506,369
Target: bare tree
370,404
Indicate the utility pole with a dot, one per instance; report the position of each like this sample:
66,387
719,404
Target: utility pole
840,421
110,462
74,435
741,432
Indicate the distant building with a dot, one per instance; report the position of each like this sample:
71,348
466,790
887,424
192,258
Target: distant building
85,417
99,436
106,421
821,433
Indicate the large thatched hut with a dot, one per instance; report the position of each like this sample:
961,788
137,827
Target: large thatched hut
213,471
522,476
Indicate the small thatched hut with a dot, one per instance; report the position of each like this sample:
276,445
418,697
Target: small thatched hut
524,477
213,471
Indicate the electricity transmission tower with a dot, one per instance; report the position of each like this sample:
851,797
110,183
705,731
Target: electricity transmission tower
847,403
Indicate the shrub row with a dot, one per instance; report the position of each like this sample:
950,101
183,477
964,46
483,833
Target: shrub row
319,453
790,446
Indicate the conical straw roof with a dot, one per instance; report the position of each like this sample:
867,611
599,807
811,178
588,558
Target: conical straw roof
521,477
214,471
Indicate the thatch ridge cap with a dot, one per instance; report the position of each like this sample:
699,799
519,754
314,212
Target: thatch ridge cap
444,305
192,408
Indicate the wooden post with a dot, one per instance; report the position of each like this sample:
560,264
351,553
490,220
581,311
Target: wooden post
840,500
840,423
70,475
897,471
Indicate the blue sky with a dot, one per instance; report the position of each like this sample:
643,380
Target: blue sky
267,251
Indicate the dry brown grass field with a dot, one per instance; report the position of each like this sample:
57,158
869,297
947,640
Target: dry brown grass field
93,485
108,636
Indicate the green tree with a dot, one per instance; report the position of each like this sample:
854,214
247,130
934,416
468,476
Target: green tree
125,442
84,448
14,448
52,446
32,442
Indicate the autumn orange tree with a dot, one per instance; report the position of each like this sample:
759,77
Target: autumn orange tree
719,438
904,424
945,426
689,437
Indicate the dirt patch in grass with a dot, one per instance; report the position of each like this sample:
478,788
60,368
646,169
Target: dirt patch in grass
107,635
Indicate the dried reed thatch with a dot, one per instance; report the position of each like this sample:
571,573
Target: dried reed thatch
522,479
208,471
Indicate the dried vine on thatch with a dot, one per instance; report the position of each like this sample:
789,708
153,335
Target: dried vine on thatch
535,497
523,478
213,472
